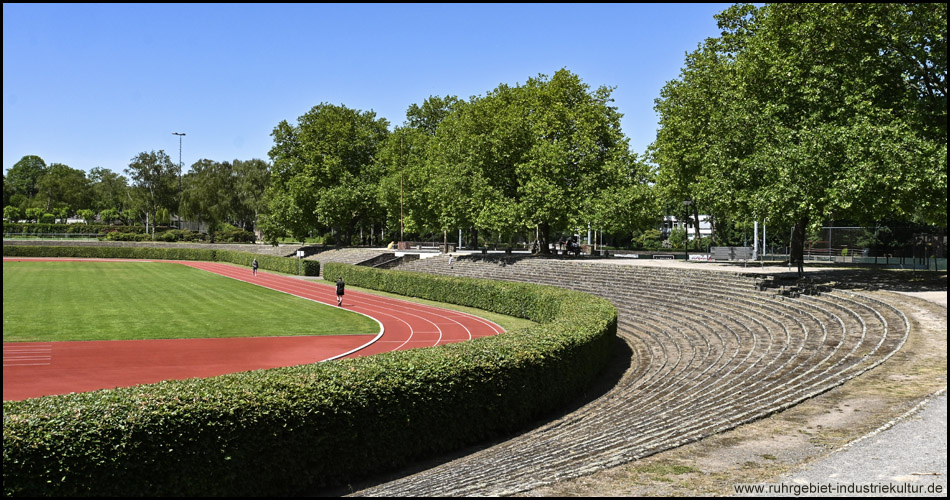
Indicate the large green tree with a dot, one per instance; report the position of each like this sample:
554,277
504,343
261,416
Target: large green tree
544,157
24,174
110,190
61,186
803,113
323,172
155,183
209,193
407,191
251,179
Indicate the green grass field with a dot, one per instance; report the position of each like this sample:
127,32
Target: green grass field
57,301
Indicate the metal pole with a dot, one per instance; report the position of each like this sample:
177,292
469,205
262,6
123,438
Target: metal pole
180,135
401,224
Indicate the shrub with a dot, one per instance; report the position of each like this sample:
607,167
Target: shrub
289,265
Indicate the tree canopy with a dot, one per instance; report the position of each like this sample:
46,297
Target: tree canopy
323,171
802,113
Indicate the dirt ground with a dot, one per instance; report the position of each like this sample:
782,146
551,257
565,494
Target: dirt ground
761,451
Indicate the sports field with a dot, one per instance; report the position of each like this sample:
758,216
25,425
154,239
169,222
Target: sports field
60,301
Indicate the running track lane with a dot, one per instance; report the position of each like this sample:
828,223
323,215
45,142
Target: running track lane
32,369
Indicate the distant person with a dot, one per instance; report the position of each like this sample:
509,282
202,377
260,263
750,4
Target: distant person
339,291
451,259
254,266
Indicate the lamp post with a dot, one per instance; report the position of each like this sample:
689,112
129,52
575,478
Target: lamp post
180,135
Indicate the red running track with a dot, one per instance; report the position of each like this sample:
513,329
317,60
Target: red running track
33,369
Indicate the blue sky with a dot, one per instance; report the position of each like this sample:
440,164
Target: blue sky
93,85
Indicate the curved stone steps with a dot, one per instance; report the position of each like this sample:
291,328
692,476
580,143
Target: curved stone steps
711,353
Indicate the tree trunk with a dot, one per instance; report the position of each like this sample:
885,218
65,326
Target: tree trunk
544,230
798,245
473,239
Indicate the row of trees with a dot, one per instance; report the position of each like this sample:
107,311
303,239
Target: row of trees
805,113
31,186
544,158
211,193
796,115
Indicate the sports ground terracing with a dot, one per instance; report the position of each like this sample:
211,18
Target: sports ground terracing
706,352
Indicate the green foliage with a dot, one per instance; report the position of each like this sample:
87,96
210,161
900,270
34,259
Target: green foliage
51,228
280,431
806,112
109,190
62,186
86,215
33,214
648,240
155,182
526,157
324,173
24,174
678,237
12,214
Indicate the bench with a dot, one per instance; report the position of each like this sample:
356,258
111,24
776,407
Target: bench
730,253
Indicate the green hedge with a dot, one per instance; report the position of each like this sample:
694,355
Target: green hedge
286,431
43,228
289,265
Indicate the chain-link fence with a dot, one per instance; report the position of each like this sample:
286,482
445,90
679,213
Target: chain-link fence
905,247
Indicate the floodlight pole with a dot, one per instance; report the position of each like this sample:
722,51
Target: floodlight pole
180,135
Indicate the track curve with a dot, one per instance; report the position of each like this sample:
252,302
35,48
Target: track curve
33,369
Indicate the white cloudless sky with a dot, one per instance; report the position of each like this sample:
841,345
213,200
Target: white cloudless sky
94,85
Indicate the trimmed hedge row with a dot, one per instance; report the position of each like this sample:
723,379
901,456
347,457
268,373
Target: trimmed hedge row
288,265
288,430
46,228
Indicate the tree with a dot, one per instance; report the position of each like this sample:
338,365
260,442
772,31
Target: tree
33,214
62,186
24,174
251,179
209,193
109,215
155,182
323,171
811,112
7,191
109,189
548,156
406,188
87,215
12,213
687,109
